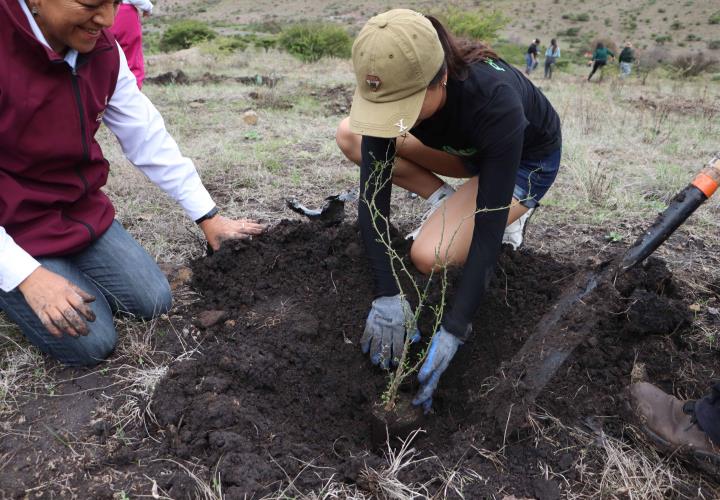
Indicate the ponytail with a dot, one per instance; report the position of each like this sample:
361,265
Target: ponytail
459,52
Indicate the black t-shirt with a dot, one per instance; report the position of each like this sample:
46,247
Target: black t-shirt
493,119
532,49
484,111
627,55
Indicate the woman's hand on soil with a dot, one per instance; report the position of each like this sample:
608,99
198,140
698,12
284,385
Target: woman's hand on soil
443,347
385,330
219,229
60,305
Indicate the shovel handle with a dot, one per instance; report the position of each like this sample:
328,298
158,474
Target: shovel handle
708,179
681,207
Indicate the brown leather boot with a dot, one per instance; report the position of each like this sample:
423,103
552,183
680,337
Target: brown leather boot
670,423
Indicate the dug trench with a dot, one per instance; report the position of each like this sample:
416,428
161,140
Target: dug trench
282,391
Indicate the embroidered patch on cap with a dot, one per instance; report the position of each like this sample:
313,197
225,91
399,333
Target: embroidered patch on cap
373,82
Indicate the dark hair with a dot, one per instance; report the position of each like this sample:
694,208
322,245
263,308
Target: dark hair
600,46
459,53
537,41
553,42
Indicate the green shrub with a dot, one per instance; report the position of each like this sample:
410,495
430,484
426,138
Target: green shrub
273,27
583,18
184,34
662,39
676,25
713,44
151,42
570,32
714,18
232,43
265,42
477,25
692,37
510,52
311,41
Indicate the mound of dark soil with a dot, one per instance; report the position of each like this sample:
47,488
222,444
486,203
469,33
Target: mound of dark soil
178,77
282,382
337,99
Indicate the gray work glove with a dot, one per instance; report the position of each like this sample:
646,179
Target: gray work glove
385,330
443,347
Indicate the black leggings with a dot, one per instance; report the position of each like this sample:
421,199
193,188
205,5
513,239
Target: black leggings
707,412
598,64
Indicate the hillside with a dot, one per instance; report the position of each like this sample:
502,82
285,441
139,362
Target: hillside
677,26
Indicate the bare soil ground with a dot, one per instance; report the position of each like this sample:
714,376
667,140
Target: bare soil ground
279,398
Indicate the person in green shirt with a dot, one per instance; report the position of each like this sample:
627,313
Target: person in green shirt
599,59
626,59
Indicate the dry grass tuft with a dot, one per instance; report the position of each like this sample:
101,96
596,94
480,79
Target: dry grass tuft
21,367
619,469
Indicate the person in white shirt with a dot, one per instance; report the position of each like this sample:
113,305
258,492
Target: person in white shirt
66,267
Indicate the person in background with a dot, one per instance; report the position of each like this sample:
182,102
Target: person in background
690,428
552,54
66,265
626,59
128,32
428,105
599,59
531,56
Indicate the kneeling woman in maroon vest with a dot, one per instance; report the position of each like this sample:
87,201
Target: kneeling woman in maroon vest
66,266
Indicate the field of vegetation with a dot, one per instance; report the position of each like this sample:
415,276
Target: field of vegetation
188,407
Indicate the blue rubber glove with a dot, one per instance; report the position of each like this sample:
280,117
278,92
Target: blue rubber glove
443,347
385,330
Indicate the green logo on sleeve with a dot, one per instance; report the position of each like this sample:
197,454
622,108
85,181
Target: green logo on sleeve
494,64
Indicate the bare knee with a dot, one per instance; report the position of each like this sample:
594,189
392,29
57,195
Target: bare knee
423,257
348,142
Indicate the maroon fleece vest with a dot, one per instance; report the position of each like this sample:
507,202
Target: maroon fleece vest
51,166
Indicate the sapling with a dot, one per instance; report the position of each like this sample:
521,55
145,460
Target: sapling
406,366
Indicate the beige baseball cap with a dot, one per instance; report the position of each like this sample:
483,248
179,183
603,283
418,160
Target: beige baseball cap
395,57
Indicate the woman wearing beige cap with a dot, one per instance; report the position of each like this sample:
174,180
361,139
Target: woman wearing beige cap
427,104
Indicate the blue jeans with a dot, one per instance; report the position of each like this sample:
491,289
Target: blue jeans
529,63
122,277
625,68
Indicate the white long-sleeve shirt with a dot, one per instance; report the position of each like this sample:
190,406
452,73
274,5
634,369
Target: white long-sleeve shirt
143,5
146,143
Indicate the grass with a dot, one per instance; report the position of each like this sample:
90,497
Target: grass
627,149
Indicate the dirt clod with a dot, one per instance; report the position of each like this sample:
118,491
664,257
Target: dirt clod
211,318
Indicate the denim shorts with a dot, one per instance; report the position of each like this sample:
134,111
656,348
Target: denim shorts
534,178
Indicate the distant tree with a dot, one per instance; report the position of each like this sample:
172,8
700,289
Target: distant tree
693,64
648,61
